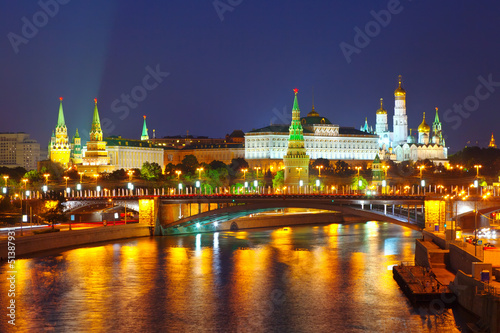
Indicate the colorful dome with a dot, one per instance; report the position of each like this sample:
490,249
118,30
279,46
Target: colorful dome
381,110
424,127
399,90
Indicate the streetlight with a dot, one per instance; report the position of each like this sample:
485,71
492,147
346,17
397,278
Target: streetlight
422,182
66,179
5,178
360,183
257,168
244,173
81,176
385,167
46,175
199,172
95,175
130,173
477,166
178,172
319,167
24,180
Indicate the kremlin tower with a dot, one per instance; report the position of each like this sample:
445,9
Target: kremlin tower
59,149
400,119
96,158
76,149
437,131
296,161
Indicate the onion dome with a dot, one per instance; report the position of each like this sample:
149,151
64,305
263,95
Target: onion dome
424,127
411,138
399,92
381,110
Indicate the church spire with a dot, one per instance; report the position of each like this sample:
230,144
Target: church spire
492,142
145,135
60,117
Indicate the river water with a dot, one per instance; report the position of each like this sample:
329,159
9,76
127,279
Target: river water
329,278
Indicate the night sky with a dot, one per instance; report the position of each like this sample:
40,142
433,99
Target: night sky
234,66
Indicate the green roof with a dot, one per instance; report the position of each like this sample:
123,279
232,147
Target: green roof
118,141
60,118
95,119
276,129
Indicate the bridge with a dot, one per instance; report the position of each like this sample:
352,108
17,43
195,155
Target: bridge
173,213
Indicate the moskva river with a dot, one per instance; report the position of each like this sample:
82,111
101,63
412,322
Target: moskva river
329,278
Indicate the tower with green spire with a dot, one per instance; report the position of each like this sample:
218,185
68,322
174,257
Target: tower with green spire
59,149
96,159
145,135
76,149
296,160
437,130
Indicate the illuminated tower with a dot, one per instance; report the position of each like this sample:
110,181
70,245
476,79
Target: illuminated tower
437,131
96,153
492,142
400,118
423,132
145,135
296,160
59,149
381,125
76,149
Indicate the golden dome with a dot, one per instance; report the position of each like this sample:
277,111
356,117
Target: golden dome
424,127
399,90
381,110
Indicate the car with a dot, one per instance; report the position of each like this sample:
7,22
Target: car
489,246
469,239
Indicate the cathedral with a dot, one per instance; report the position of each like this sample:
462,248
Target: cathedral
398,145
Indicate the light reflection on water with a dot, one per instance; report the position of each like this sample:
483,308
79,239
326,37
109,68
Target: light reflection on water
300,279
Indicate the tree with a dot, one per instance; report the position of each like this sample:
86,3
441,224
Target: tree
355,183
342,168
54,212
190,162
33,176
119,174
218,165
321,162
236,165
279,179
151,171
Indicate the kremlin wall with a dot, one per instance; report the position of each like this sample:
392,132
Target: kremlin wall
291,147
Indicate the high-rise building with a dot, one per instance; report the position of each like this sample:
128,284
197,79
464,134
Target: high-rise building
59,148
296,161
18,150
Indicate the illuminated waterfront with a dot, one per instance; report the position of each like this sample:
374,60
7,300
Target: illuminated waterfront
302,279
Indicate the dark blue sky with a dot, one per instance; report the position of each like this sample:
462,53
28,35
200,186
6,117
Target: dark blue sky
239,72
